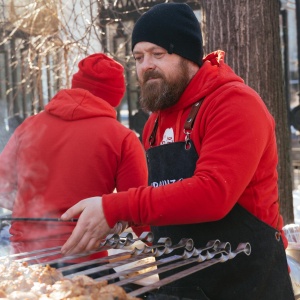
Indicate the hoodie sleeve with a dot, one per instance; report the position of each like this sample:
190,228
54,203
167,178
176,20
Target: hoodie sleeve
132,172
237,163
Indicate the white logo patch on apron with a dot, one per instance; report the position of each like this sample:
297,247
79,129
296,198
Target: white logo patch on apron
168,136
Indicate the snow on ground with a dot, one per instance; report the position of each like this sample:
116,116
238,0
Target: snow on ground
296,203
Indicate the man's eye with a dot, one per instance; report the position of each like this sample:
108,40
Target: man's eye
137,57
158,54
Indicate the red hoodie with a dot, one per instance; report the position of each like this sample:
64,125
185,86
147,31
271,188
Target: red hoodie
73,150
234,135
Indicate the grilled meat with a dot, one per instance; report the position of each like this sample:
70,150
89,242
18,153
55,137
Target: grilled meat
19,281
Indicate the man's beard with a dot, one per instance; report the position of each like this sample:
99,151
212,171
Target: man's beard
162,93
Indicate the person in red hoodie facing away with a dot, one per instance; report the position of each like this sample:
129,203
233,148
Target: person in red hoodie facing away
74,149
212,160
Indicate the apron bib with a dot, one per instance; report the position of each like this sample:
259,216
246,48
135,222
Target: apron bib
261,276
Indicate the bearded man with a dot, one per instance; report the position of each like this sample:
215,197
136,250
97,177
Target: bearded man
212,162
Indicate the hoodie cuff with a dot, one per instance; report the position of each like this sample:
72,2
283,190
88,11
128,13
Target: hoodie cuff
116,208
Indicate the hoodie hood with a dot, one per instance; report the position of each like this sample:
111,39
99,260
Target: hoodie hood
213,74
76,104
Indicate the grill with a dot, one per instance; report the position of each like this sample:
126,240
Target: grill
137,263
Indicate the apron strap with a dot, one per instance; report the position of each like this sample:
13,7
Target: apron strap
188,125
153,133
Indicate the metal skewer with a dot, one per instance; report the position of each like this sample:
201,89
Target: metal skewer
242,248
37,219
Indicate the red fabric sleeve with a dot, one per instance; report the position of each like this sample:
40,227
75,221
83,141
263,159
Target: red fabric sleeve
132,171
237,142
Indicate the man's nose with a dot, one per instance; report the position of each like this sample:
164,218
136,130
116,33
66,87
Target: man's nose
148,63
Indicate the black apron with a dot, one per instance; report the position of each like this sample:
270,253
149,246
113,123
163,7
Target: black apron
261,276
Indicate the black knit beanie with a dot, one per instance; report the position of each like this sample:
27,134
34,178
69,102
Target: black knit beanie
172,26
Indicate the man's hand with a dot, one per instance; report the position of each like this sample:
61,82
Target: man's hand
91,227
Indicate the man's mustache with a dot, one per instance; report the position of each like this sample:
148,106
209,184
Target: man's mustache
151,74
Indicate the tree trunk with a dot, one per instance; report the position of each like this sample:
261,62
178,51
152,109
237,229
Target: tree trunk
248,31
